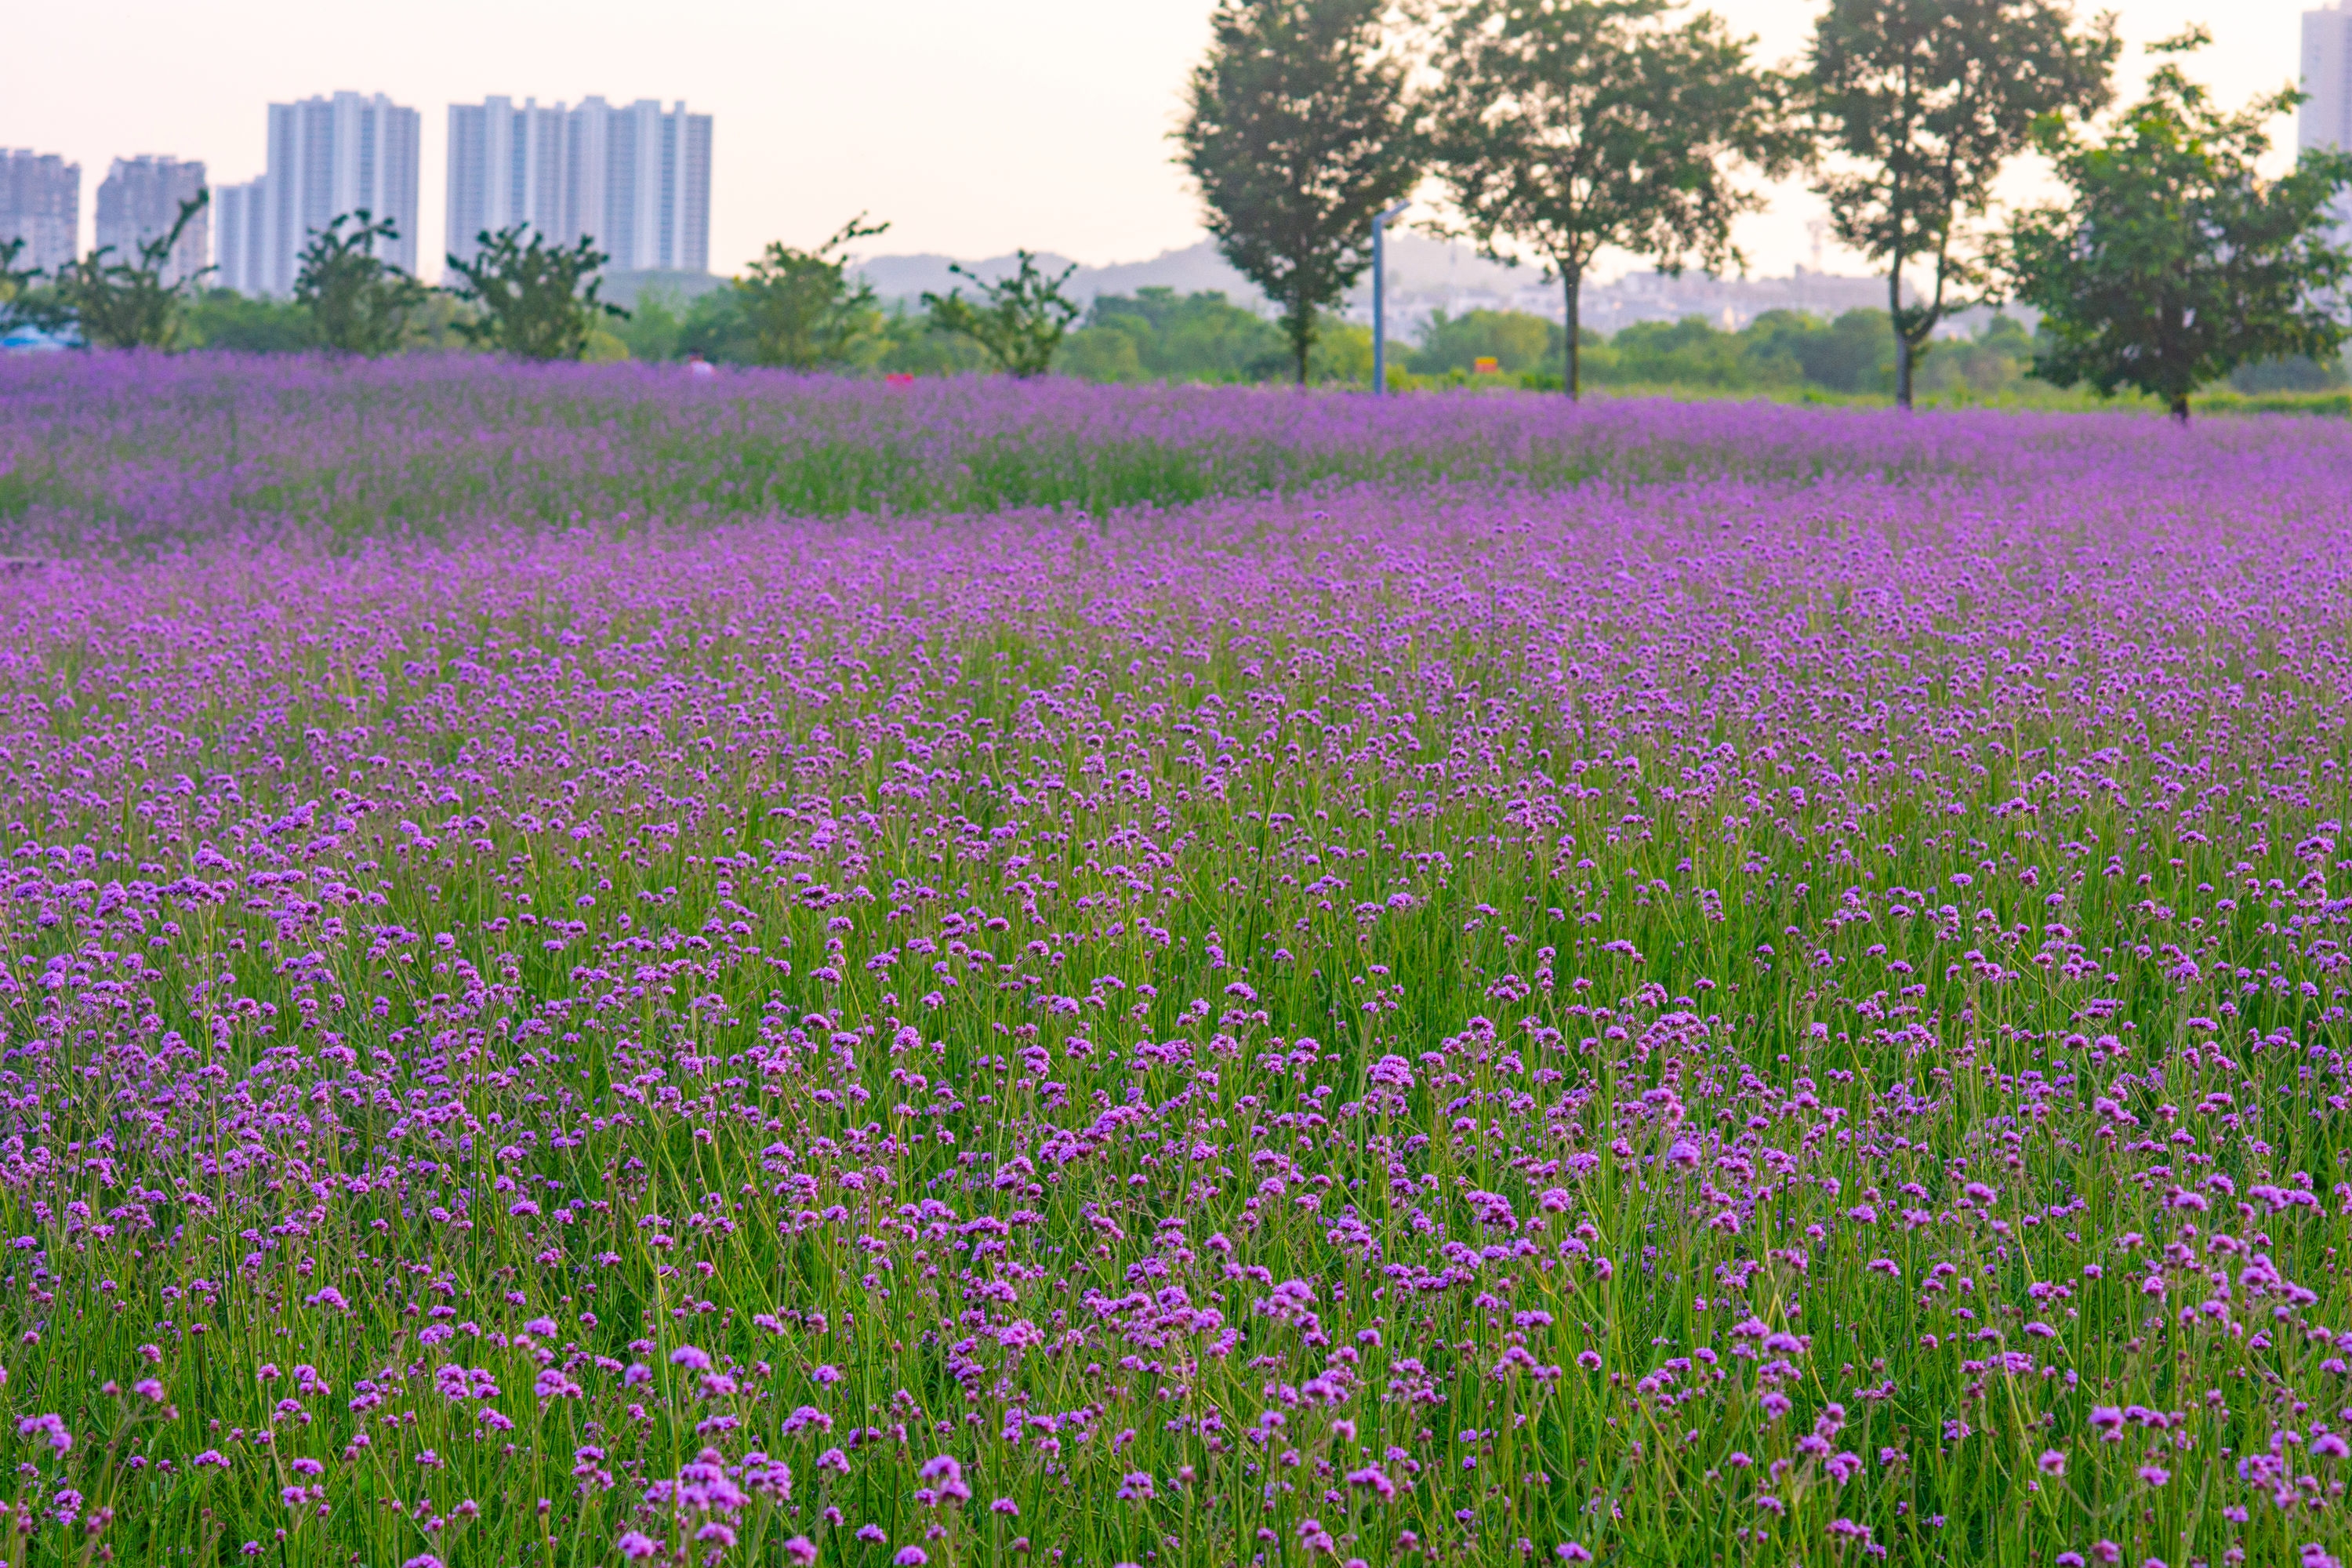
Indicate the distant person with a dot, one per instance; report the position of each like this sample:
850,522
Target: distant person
697,365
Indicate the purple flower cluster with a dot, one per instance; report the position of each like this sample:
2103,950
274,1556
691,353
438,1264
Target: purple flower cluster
1721,984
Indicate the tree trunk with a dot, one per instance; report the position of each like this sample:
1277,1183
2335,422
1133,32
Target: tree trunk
1902,337
1572,283
1302,331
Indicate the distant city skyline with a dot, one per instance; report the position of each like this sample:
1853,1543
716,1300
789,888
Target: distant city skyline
329,155
40,203
972,130
139,200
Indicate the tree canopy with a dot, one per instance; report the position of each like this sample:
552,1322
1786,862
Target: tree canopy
802,307
1019,319
535,301
1299,126
2176,262
1920,104
1567,125
358,303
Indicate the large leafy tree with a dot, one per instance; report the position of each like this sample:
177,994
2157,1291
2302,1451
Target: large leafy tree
535,301
1920,104
358,303
1299,127
125,302
1567,125
1020,319
802,306
2177,260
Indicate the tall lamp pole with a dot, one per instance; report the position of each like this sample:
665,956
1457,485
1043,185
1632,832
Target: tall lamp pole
1380,297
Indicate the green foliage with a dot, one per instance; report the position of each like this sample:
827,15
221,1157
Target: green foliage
1516,341
1921,103
17,285
1853,354
227,319
126,304
1155,334
1342,354
2177,261
715,328
2290,373
801,308
1019,321
2323,404
358,303
1692,354
1299,127
435,326
1793,352
906,343
535,301
1567,125
652,331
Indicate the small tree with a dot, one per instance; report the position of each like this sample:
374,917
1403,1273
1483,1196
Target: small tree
126,304
2178,262
803,309
1020,320
535,301
1567,125
17,300
358,303
1299,128
1922,102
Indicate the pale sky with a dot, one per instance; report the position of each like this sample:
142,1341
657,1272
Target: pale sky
974,126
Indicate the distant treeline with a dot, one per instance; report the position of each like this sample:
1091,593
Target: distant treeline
1158,334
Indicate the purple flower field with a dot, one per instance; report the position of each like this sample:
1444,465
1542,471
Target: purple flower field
602,970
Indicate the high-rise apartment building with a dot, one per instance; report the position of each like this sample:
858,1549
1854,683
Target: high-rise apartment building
2326,118
635,180
139,202
40,203
327,156
506,166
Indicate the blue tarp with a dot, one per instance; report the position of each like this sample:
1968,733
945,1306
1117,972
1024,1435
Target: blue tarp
31,341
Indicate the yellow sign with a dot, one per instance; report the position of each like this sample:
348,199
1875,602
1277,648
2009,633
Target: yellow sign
1486,364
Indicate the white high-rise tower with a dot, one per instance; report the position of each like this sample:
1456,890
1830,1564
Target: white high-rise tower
327,156
2325,117
635,180
506,166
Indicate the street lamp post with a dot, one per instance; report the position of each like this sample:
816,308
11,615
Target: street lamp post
1380,297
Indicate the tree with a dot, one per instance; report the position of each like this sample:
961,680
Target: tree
1299,128
16,286
1567,125
2178,262
1019,321
535,301
1922,102
1517,343
1157,334
802,306
225,320
125,304
359,303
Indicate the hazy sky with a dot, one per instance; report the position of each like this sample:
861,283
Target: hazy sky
972,125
